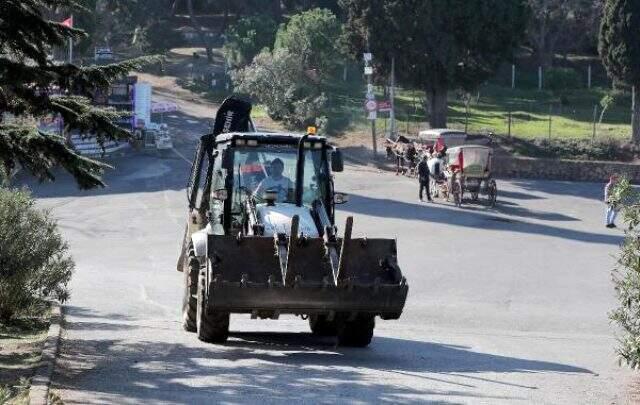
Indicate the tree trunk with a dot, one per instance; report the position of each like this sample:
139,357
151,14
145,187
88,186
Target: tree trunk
225,18
276,10
437,106
635,116
203,38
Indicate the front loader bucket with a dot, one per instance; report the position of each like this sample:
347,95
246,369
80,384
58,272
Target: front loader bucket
268,276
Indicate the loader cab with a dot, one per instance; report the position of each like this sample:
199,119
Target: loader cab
256,174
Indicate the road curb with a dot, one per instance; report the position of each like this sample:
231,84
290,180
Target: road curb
39,391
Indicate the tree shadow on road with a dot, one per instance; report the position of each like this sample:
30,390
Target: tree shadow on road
254,367
134,171
471,218
591,191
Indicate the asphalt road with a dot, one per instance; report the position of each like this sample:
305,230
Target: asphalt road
505,306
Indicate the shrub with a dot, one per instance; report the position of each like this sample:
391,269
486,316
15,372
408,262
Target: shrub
562,79
160,39
626,277
248,37
315,37
578,149
34,263
279,81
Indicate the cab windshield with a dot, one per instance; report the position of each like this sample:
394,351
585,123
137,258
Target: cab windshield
273,168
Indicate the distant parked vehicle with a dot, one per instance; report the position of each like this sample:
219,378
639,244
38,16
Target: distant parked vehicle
103,54
469,170
157,136
450,137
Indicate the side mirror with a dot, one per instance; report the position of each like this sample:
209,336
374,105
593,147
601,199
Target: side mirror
337,161
227,158
340,198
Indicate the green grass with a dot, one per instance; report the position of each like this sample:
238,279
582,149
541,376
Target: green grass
529,109
570,119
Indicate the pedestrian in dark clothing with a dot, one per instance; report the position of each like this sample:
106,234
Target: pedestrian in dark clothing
423,177
399,159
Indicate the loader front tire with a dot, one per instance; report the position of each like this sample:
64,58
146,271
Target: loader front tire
357,332
191,269
212,326
320,326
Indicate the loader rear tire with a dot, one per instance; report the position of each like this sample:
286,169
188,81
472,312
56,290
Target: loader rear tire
320,326
191,269
213,326
356,333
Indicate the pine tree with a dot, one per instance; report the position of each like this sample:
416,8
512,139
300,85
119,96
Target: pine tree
620,50
33,87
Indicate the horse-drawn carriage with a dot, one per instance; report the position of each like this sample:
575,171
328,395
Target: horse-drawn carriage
469,171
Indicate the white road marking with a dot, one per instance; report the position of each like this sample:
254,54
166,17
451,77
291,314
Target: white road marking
181,156
144,296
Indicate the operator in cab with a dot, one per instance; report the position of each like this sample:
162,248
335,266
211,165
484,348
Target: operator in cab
276,181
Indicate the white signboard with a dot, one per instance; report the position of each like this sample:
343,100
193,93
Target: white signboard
367,57
373,115
163,107
368,70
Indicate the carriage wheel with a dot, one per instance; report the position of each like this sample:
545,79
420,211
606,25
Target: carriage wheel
492,192
456,192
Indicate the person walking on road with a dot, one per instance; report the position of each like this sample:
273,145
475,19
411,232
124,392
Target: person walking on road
423,178
612,209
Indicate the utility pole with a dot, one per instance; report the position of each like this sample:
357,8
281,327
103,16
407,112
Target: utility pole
392,96
539,77
595,117
371,105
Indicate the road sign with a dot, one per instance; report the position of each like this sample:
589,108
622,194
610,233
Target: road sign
367,57
368,70
371,96
384,106
372,115
371,105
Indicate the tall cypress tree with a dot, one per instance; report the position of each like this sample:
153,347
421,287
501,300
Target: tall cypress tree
32,87
619,49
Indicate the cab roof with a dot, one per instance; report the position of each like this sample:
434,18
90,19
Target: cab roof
441,131
280,137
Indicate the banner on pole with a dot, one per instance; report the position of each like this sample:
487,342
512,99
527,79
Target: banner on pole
68,22
384,106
